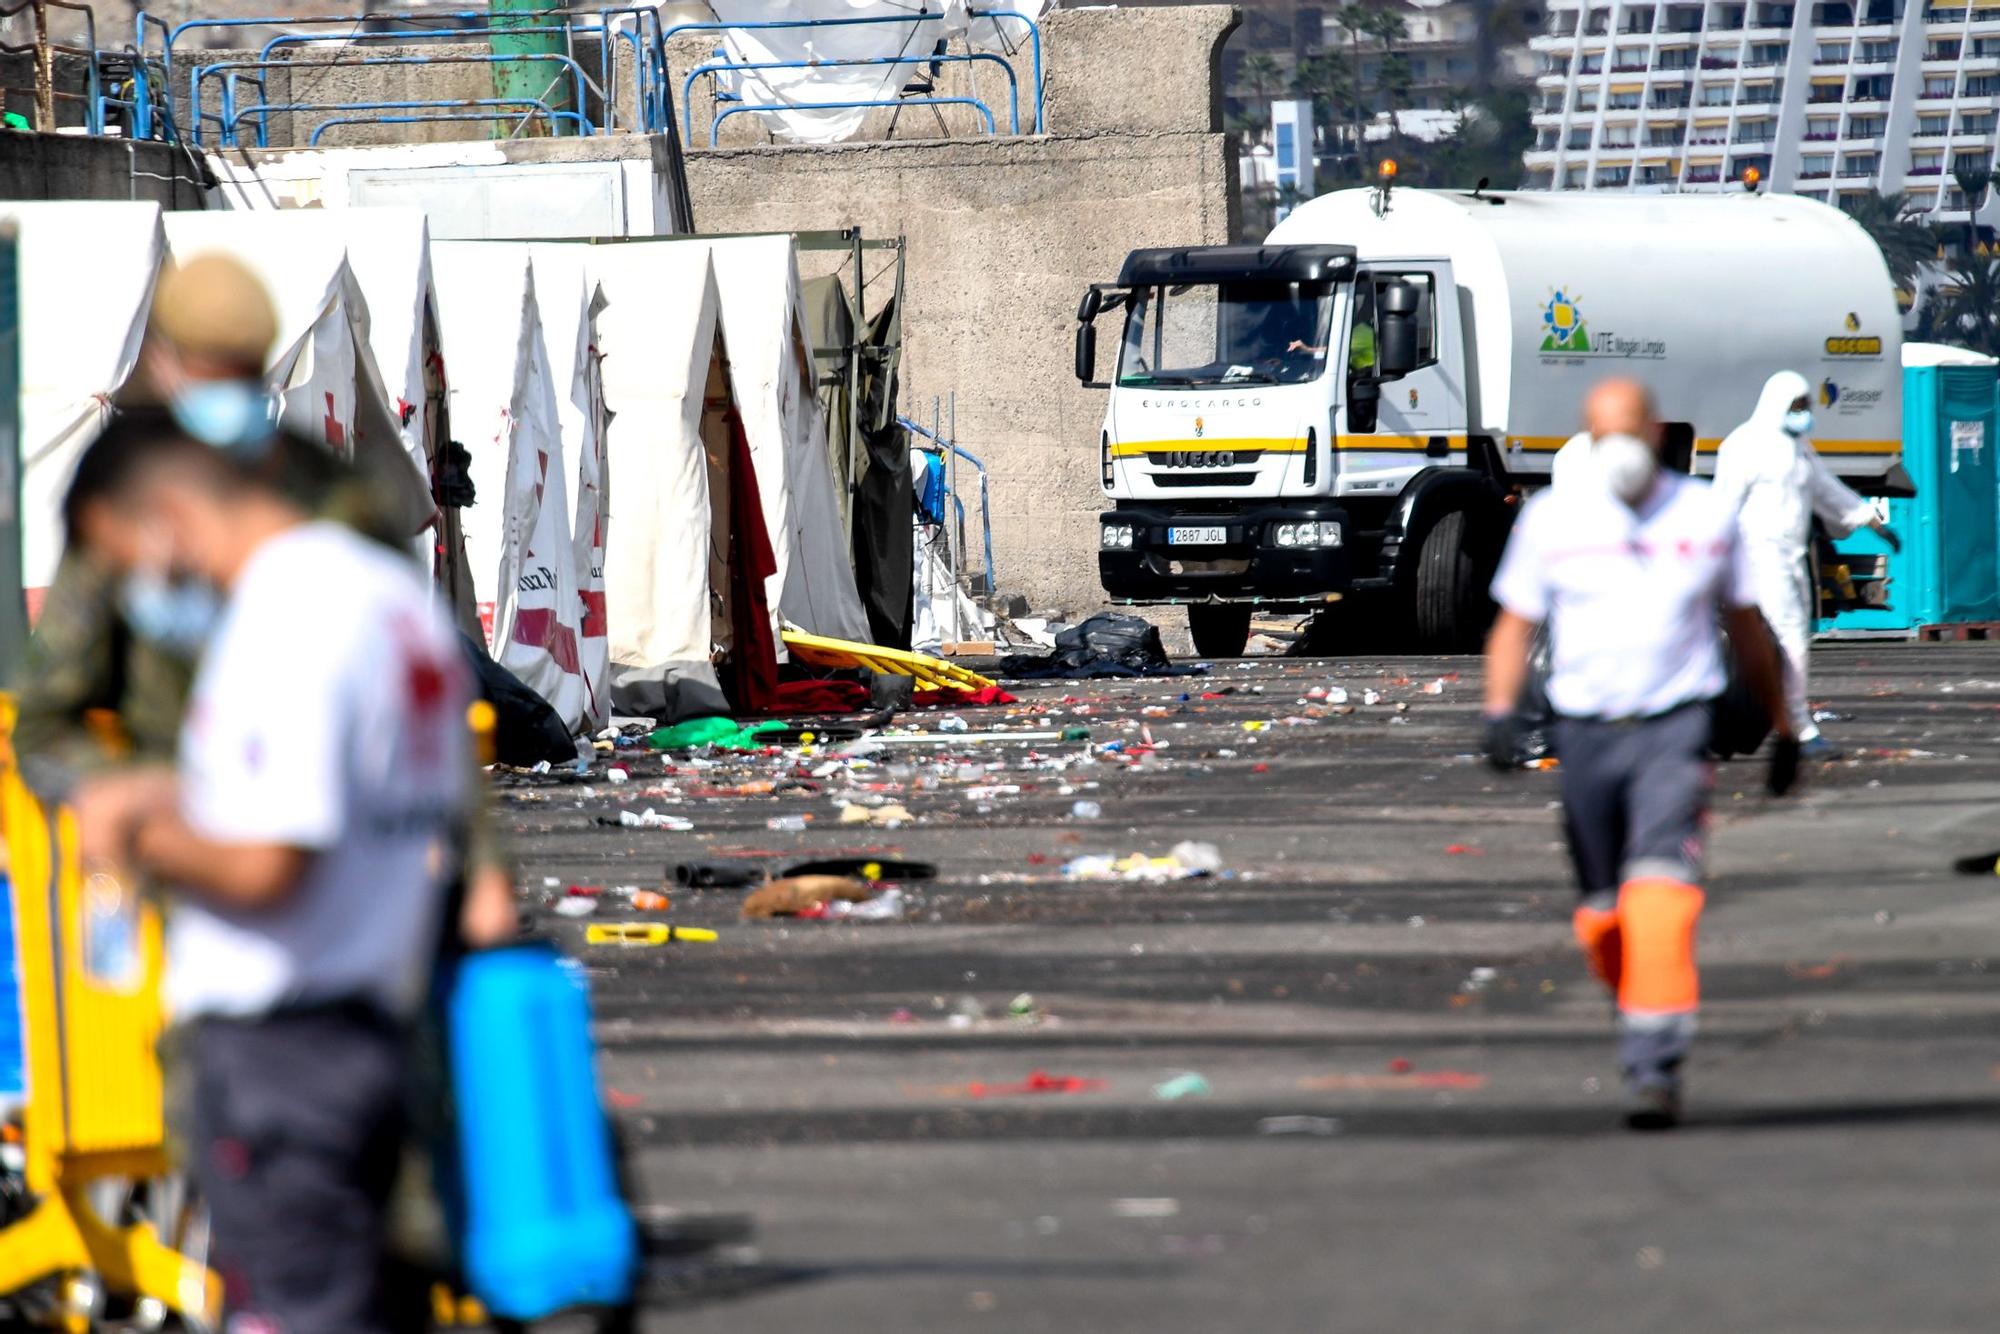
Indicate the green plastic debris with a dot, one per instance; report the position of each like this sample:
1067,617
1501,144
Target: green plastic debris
726,733
1189,1085
14,120
1074,733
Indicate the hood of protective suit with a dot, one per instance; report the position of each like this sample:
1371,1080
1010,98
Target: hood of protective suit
1780,392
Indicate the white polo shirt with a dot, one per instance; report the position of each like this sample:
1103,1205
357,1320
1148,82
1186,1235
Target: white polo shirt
1632,598
328,714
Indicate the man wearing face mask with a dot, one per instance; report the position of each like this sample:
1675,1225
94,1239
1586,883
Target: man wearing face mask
106,673
1632,568
324,783
1769,472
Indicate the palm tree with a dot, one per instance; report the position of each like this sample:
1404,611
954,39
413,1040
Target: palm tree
1328,81
1968,305
1262,72
1356,21
1906,243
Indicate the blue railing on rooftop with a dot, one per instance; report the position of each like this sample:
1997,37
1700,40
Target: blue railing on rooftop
153,88
724,65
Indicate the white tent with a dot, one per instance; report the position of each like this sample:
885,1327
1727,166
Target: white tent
505,404
828,64
771,369
570,302
324,364
669,448
87,273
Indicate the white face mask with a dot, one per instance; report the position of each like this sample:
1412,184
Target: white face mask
1627,465
1798,421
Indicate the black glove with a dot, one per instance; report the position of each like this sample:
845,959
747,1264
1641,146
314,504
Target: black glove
1784,766
1503,743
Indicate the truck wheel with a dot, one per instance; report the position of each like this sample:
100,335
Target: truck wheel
1451,607
1220,629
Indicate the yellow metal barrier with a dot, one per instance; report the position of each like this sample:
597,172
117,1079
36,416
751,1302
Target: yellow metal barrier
90,961
928,672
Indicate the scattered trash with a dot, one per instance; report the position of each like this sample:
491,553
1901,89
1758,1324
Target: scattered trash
888,906
647,819
790,897
1022,1007
787,824
1038,1081
1189,1085
644,933
1371,697
647,900
1299,1125
892,816
570,906
1075,734
1463,850
1186,860
875,870
1165,1207
716,875
1086,810
618,775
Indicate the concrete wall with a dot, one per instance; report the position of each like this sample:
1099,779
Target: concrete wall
65,166
1003,236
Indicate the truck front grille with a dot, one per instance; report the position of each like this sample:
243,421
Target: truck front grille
1183,479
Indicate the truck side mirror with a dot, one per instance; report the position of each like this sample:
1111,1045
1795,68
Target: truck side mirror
1396,339
1093,302
1086,355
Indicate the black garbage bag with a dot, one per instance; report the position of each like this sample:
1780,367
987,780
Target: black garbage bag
1741,722
1534,716
1107,644
526,730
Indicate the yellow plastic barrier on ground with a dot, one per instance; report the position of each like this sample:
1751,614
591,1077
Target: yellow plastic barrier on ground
841,654
90,962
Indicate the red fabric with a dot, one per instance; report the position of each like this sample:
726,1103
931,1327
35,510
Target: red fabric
961,699
819,697
750,677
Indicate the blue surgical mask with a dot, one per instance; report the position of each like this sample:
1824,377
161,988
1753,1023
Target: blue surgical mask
229,414
177,615
1798,421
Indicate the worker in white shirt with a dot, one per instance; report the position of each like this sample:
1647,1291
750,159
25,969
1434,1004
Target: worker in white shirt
320,798
1769,472
1633,575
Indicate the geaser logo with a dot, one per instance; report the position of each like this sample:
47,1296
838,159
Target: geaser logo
1832,395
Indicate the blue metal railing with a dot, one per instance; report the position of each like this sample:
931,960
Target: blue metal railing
533,107
714,69
161,86
230,117
985,512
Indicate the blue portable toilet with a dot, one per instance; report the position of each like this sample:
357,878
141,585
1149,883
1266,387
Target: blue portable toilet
13,1045
1949,568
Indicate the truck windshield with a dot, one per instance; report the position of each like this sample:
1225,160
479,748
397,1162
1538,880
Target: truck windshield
1226,333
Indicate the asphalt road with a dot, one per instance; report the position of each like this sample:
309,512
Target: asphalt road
1410,1120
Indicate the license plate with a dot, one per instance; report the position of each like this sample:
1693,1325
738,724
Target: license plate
1197,537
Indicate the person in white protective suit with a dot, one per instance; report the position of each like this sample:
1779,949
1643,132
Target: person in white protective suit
1769,470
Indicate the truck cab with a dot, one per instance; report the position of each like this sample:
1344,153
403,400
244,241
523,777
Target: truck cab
1272,412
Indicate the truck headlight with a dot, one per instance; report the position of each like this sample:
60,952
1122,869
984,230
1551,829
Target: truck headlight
1297,536
1115,537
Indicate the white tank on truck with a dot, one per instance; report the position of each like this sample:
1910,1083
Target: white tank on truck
1346,413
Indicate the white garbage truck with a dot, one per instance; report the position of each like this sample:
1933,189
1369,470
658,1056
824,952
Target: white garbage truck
1342,419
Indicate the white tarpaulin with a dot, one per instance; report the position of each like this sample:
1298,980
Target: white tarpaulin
504,405
818,53
771,370
324,364
668,543
87,273
570,302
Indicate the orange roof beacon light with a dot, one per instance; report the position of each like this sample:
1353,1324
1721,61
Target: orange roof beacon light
1385,180
1751,176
